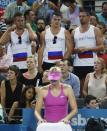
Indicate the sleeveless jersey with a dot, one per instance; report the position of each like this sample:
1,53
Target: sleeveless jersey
54,46
20,51
86,39
97,87
56,107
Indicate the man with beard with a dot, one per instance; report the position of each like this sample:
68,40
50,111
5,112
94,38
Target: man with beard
55,44
87,41
20,37
40,27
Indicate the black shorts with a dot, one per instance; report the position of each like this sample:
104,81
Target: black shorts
82,71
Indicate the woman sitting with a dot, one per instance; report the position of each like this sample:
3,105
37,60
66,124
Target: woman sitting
31,77
11,89
96,82
26,101
56,96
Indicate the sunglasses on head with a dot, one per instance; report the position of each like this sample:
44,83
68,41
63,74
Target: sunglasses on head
20,40
54,39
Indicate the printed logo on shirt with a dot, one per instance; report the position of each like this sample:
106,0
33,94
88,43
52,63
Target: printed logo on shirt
53,55
86,54
20,57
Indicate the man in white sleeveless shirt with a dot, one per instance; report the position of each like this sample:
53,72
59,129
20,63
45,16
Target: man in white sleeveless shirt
55,44
87,41
20,39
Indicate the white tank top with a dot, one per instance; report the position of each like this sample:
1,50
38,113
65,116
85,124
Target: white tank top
86,39
97,87
20,51
54,47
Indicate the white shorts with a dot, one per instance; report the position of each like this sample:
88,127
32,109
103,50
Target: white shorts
60,126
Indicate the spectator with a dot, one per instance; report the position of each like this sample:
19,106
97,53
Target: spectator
94,124
44,9
87,41
55,44
96,82
13,8
55,97
102,28
91,102
26,99
89,5
20,38
40,25
103,54
103,15
10,89
69,78
30,18
93,19
5,62
72,13
31,77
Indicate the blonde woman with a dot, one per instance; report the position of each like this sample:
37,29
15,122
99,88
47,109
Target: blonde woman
32,76
55,97
96,82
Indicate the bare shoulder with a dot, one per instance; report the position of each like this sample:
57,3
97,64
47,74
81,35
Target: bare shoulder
67,88
44,90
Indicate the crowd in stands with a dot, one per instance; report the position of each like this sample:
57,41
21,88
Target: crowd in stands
39,35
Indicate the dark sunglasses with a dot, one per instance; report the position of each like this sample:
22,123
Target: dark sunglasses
52,81
54,39
20,40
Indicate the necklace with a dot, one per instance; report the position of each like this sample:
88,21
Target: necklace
98,77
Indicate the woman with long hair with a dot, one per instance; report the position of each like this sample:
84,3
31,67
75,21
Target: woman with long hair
26,99
96,82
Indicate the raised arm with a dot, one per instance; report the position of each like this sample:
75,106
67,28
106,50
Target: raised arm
6,36
69,45
32,34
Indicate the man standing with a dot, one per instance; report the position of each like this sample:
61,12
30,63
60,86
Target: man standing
87,42
20,38
55,44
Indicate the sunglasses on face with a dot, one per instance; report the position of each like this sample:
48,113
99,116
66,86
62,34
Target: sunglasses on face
20,40
53,81
54,39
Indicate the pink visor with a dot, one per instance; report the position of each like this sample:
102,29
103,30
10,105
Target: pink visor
54,75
